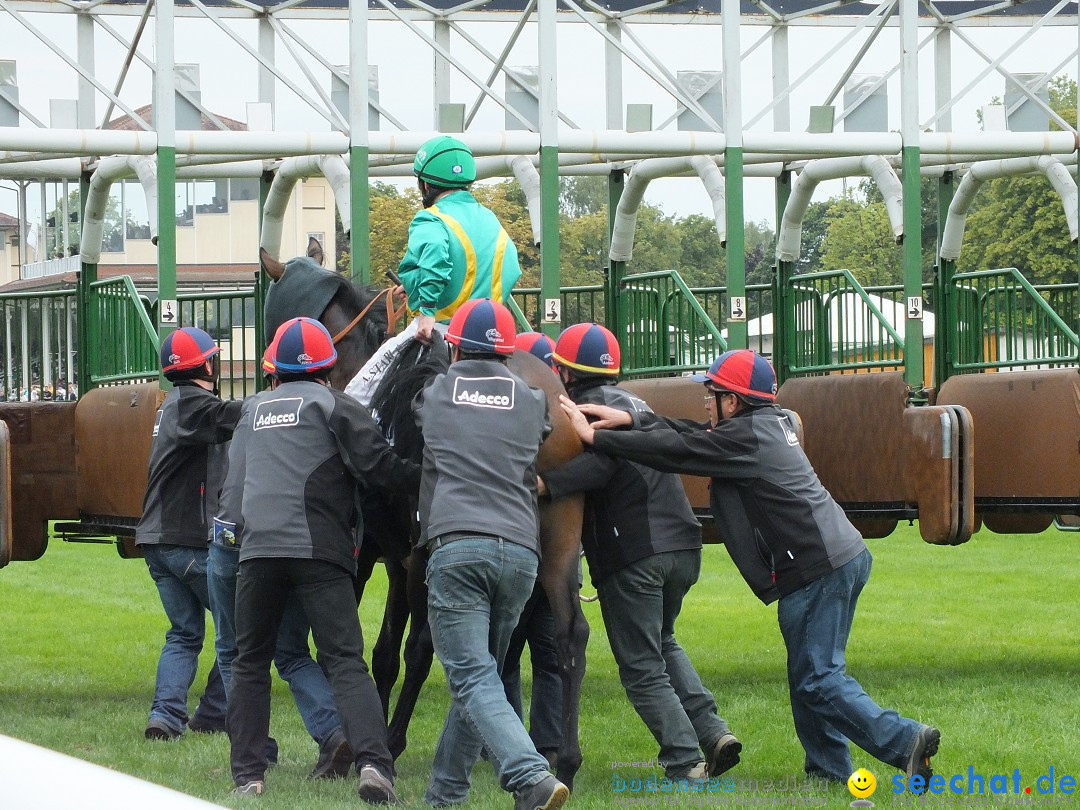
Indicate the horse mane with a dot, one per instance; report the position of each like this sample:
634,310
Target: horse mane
410,371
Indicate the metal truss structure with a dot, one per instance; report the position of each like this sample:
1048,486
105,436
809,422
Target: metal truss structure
766,89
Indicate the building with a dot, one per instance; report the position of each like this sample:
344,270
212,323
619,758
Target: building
217,230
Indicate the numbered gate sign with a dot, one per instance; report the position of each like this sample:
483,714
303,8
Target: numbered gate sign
914,308
169,312
737,308
552,310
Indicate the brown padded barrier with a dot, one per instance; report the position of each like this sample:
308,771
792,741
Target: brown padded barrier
5,495
1029,441
870,449
113,432
42,483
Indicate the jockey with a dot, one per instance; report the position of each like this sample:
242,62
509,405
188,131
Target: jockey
458,251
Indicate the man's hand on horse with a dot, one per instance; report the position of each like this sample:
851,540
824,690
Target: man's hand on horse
577,419
603,417
425,325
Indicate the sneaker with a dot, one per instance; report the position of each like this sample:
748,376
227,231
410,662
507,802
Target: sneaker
200,726
252,788
926,745
698,773
547,794
375,788
724,755
335,758
157,730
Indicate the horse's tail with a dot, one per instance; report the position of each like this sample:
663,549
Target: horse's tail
409,372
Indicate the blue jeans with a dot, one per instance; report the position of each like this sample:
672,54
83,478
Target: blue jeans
307,681
537,627
640,604
477,588
828,705
180,575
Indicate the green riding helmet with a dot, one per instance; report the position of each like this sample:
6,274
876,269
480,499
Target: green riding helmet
445,162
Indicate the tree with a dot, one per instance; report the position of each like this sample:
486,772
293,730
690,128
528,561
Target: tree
1020,221
579,196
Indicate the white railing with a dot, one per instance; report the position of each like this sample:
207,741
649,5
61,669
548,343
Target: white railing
52,267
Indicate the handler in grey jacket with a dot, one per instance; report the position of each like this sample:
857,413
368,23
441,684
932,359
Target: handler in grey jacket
643,545
482,429
790,541
187,465
300,450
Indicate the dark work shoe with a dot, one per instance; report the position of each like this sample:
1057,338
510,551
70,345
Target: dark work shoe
724,755
926,745
375,788
335,758
200,726
253,788
156,730
547,794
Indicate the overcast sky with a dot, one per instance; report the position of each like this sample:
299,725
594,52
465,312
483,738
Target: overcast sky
229,76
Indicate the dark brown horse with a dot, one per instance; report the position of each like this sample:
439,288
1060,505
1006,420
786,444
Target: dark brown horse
560,521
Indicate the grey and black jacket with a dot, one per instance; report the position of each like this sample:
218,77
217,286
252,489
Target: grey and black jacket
632,511
482,427
187,465
296,458
781,527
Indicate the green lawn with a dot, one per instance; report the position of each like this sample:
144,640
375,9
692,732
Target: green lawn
980,640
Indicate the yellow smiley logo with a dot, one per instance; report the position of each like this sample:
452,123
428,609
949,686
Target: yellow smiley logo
862,784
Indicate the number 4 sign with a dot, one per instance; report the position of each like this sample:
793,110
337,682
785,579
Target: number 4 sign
168,312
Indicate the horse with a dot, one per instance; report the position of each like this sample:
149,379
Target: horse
358,324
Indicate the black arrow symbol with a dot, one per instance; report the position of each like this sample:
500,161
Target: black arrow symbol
737,313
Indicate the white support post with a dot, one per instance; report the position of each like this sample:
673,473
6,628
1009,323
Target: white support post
441,77
613,78
267,45
781,79
84,49
943,76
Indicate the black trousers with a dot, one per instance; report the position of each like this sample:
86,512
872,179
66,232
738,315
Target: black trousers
326,592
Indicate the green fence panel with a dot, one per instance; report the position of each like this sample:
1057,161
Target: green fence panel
126,348
835,325
229,318
1003,321
668,331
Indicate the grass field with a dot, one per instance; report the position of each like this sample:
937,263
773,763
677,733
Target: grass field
980,640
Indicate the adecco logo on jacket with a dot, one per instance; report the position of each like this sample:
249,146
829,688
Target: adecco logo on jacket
276,413
484,392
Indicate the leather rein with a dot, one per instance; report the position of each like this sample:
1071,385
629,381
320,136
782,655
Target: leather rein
392,315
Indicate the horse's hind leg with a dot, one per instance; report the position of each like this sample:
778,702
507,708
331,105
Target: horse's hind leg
560,538
419,653
386,654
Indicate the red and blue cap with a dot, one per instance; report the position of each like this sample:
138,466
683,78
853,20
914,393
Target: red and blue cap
483,325
186,348
590,348
303,346
537,344
743,372
268,358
